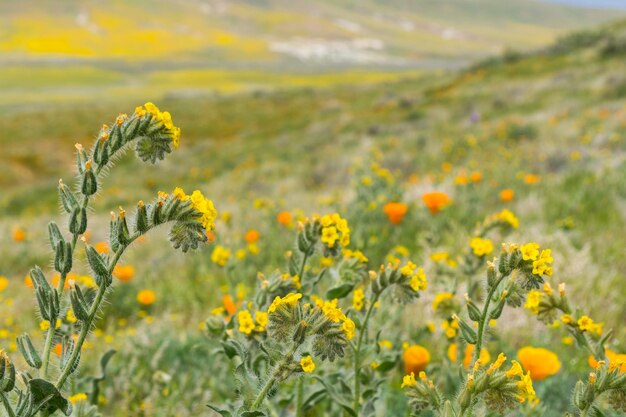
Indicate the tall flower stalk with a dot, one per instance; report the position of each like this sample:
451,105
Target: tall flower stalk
153,135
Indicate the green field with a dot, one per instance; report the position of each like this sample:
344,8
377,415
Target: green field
549,125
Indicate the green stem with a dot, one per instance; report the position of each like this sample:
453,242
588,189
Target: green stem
272,379
60,286
483,318
299,397
303,264
357,356
93,311
6,404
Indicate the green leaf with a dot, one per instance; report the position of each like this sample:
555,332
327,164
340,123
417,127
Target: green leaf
45,396
385,366
220,411
340,291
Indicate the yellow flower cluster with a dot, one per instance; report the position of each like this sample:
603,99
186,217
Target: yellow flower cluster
220,255
334,229
418,277
201,204
165,118
541,260
481,247
524,385
247,324
334,314
290,299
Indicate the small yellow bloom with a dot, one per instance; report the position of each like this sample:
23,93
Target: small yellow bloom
307,364
530,251
408,380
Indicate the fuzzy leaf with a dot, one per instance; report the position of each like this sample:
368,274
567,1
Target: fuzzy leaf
45,395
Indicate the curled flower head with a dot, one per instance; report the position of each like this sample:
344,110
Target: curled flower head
289,300
163,119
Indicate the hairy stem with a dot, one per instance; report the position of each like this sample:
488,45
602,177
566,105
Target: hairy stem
273,377
93,311
299,397
50,336
357,356
484,318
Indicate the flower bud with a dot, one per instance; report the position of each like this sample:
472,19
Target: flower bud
89,183
78,221
215,325
67,197
54,234
79,304
491,274
26,347
99,267
8,379
300,333
81,158
468,333
472,310
63,257
579,395
141,220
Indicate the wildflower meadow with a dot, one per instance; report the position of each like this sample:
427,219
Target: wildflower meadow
429,242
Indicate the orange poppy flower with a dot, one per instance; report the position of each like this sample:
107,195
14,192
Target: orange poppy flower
124,273
19,234
395,212
507,195
229,304
436,200
146,297
540,362
416,358
284,218
101,247
252,236
613,358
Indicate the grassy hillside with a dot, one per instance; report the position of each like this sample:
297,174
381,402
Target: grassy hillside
51,53
548,125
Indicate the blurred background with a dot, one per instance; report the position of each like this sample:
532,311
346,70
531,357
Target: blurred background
282,106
